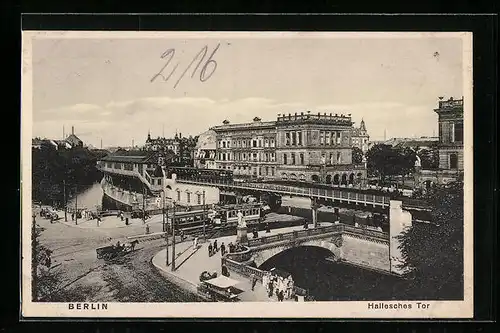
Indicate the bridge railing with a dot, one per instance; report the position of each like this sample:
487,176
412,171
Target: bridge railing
293,235
321,193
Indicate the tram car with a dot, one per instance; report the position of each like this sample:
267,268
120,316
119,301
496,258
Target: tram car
227,215
206,175
190,221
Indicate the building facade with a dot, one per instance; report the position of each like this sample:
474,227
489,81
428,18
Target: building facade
183,147
248,149
206,150
316,147
450,146
299,147
360,137
451,134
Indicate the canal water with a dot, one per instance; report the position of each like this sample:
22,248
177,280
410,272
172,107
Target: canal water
330,281
90,198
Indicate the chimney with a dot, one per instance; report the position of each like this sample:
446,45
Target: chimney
73,130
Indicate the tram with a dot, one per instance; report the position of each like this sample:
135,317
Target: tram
227,215
189,221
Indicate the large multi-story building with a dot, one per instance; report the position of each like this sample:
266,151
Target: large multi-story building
206,150
182,147
360,137
248,149
451,134
303,147
450,145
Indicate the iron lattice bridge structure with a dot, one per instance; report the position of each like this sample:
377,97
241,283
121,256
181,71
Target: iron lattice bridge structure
349,196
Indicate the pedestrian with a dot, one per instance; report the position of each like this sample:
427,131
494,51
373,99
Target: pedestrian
222,249
195,243
215,246
182,235
209,249
147,229
280,296
225,271
268,229
72,216
253,280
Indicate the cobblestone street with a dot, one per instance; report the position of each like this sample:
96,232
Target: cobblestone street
83,277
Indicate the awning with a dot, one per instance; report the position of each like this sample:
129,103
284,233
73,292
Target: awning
222,282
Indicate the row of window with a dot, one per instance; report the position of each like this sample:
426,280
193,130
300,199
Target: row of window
300,161
330,138
260,171
188,197
255,157
451,132
127,166
252,143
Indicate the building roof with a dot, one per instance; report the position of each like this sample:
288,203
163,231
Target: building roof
131,156
72,136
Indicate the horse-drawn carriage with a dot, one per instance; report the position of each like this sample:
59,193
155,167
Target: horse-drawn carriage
113,251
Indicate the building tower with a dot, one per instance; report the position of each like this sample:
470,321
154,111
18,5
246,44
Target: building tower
451,128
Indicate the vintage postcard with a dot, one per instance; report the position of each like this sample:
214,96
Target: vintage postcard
233,174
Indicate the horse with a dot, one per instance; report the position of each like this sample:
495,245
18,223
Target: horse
132,244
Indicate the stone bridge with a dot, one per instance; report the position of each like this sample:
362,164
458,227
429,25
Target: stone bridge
358,246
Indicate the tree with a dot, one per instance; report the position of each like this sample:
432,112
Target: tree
429,158
357,155
433,253
43,281
384,161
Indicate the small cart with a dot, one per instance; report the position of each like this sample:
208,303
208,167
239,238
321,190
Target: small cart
220,289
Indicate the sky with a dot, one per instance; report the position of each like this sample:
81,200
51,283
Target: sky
103,87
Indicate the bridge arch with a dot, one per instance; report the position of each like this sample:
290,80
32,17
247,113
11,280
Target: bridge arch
320,247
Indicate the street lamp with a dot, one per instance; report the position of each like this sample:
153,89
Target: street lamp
173,237
204,218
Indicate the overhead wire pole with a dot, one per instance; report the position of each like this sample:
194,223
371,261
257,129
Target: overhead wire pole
76,203
204,218
173,238
64,202
165,218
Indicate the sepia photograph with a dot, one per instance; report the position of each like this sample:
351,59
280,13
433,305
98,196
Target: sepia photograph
234,174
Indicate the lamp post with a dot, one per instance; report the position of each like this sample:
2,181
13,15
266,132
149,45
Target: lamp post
173,238
64,203
204,218
76,204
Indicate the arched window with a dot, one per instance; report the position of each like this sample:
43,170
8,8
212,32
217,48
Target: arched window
315,178
285,159
351,178
344,179
336,179
328,179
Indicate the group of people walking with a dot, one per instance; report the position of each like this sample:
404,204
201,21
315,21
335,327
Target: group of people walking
278,286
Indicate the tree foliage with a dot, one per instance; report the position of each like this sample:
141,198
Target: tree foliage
53,168
384,160
43,282
357,155
433,253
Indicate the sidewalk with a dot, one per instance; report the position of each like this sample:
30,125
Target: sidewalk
112,222
190,265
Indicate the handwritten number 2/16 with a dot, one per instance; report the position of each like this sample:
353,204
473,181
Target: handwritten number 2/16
207,70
